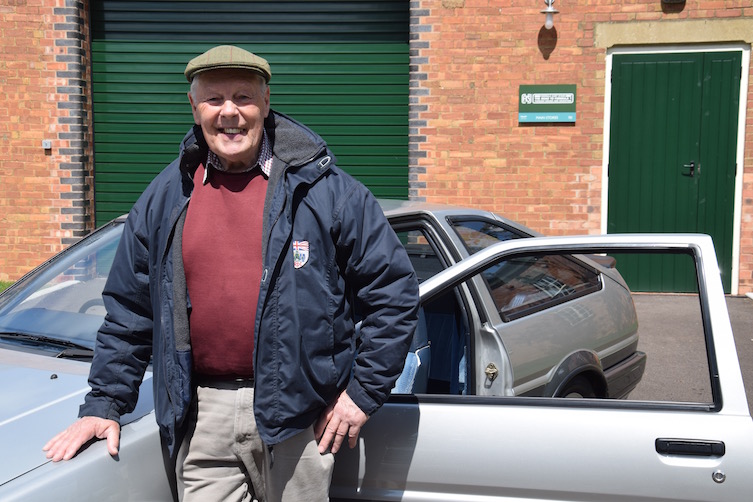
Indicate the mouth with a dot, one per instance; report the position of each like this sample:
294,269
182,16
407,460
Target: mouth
231,130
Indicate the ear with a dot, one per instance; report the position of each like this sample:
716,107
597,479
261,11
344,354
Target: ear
194,110
266,101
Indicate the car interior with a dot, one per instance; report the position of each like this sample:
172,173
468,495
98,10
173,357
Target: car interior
436,363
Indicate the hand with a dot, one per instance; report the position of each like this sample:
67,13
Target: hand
341,418
66,444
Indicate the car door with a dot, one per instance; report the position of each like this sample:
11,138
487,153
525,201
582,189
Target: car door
685,433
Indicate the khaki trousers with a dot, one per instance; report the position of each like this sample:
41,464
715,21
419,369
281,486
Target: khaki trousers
222,457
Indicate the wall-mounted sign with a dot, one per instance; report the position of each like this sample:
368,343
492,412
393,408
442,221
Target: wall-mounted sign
546,103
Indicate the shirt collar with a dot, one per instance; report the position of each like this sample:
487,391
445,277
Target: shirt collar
264,162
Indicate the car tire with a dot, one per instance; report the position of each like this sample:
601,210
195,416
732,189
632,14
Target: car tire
578,387
95,303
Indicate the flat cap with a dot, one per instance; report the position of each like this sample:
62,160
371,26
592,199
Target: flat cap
228,56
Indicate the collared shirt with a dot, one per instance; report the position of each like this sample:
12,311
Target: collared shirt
264,162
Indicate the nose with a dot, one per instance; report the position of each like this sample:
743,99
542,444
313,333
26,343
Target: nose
228,108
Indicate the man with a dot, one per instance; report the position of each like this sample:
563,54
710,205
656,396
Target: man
241,270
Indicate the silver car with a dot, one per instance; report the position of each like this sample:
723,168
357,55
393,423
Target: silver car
478,414
545,325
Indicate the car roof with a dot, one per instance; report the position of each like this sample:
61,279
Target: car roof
392,207
395,208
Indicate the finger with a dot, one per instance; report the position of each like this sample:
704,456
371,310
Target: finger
113,440
62,449
57,448
322,422
50,444
70,451
340,434
330,431
353,433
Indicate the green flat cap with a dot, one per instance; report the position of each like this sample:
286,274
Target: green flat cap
228,56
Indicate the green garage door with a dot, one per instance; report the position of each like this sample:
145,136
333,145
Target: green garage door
672,150
341,67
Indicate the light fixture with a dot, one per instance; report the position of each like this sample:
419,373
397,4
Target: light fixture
550,11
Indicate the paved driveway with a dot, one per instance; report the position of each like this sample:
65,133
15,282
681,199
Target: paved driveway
671,323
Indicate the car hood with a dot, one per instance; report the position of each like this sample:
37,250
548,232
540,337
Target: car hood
39,397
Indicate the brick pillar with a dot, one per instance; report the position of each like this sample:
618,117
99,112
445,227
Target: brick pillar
45,137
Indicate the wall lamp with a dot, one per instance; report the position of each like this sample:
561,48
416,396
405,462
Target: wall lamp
550,11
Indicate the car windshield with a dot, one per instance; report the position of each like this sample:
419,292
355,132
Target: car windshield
61,301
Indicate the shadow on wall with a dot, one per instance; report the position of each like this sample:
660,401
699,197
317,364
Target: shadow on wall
547,41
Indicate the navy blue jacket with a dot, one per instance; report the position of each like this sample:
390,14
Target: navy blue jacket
305,349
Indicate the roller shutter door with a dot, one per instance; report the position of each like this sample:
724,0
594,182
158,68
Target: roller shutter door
341,67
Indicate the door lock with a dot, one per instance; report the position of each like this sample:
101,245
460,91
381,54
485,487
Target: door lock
491,371
691,169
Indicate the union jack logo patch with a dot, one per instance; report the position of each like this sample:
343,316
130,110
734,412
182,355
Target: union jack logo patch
300,253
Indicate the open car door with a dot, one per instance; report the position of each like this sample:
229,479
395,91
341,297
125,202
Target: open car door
684,433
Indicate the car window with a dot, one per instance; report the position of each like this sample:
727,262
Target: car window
568,328
62,300
526,285
421,251
674,333
478,234
648,346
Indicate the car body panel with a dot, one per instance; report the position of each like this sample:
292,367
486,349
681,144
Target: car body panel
45,397
535,344
39,395
479,449
44,400
137,474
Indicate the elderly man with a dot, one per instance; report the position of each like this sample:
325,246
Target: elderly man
242,270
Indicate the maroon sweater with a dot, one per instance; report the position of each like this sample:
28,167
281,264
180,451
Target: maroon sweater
223,264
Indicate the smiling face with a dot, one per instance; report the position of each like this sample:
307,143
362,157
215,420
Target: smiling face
230,105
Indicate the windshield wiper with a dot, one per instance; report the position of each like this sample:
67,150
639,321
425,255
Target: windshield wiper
71,350
76,353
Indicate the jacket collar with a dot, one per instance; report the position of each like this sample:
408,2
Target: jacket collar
193,151
292,143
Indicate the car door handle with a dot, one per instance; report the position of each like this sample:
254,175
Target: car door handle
690,447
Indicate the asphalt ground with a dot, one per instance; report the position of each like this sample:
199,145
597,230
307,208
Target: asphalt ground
671,334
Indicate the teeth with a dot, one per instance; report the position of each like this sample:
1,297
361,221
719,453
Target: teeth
232,130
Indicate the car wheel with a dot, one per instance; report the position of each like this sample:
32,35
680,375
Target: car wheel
95,306
578,387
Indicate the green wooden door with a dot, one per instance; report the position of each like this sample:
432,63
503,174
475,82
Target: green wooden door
673,138
340,67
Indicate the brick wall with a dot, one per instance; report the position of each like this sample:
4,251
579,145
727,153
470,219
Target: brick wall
44,193
468,59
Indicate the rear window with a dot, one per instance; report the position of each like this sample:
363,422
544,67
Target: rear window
525,285
480,234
